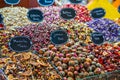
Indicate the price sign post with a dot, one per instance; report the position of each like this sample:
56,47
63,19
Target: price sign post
35,15
67,13
97,38
75,1
20,44
12,2
98,13
59,37
45,2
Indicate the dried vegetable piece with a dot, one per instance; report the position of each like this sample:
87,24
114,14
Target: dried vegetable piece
14,17
20,68
39,34
81,11
108,27
72,60
108,55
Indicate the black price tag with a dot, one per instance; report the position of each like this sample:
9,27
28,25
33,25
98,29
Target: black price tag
35,15
97,38
45,2
1,18
59,37
67,13
75,1
98,13
20,43
119,9
12,2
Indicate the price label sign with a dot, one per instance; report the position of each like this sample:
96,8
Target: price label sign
67,13
45,2
75,1
97,38
20,43
1,18
12,2
59,37
35,15
98,13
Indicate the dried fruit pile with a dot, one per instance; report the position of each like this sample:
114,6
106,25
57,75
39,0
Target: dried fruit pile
78,31
82,13
51,15
108,27
73,61
28,66
107,54
39,34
